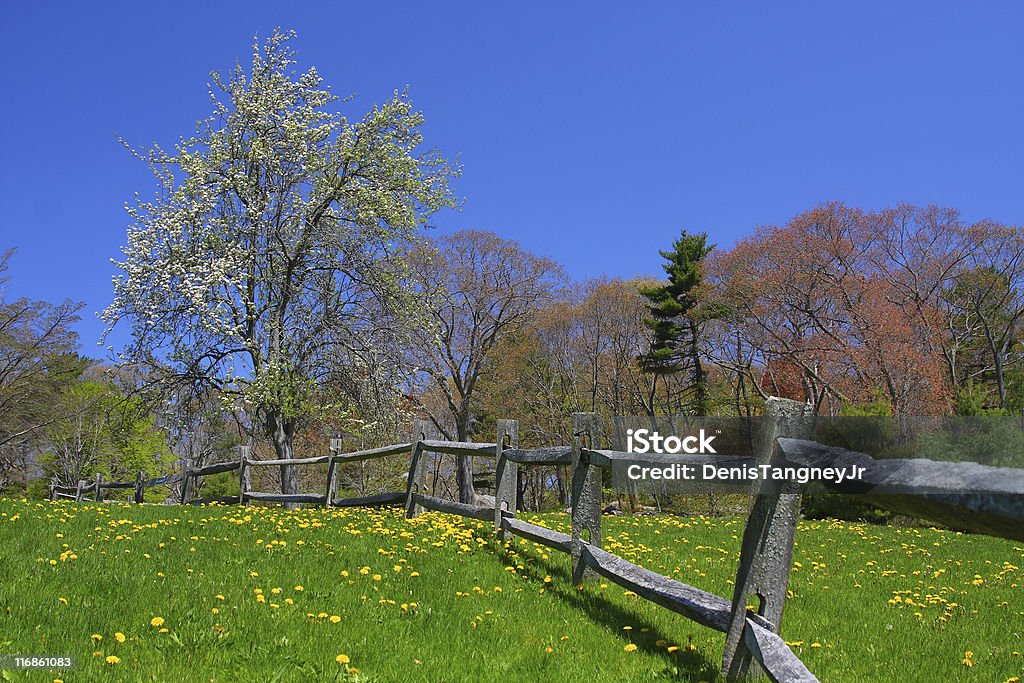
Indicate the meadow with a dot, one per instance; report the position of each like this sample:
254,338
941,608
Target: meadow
223,593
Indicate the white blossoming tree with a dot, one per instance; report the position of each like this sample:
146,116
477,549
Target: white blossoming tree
264,267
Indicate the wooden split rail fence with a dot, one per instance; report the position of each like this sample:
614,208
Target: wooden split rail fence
993,504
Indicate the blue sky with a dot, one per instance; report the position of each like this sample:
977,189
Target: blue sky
590,132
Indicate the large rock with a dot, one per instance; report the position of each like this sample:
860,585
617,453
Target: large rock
483,501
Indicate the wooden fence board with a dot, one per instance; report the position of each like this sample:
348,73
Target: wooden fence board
215,468
460,448
383,452
705,608
484,514
962,495
285,497
318,460
117,485
388,498
774,656
556,455
538,534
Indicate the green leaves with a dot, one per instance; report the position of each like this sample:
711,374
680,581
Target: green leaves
674,309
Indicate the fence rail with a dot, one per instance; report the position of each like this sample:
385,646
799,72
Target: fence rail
964,495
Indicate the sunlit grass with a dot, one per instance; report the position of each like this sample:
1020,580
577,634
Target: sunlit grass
260,594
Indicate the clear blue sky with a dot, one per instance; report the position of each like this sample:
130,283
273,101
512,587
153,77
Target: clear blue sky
589,131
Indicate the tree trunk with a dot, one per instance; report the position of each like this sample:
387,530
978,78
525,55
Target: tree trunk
700,389
282,433
464,475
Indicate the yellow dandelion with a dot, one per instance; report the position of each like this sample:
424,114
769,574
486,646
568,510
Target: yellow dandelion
156,621
335,618
62,601
299,589
111,659
630,648
96,637
119,637
342,659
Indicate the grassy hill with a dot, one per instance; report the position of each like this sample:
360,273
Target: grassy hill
262,594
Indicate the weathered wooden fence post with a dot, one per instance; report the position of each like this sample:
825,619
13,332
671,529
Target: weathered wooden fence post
417,469
767,549
99,490
186,484
243,473
140,486
332,471
53,484
586,491
506,474
80,491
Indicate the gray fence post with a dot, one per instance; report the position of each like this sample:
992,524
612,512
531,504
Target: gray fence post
332,471
417,469
79,493
140,479
767,549
186,483
243,473
506,474
53,484
99,491
586,491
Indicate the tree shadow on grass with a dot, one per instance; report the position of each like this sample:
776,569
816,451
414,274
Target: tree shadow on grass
682,664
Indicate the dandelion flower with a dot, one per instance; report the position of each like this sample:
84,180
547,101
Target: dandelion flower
119,637
342,659
630,648
156,621
111,659
335,618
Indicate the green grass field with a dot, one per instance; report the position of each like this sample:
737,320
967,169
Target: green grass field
260,594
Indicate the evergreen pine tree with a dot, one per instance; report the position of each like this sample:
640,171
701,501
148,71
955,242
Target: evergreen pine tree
675,319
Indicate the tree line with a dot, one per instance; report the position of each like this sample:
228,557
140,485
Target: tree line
281,288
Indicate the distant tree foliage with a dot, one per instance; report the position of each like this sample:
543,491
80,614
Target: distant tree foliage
476,289
38,361
911,302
